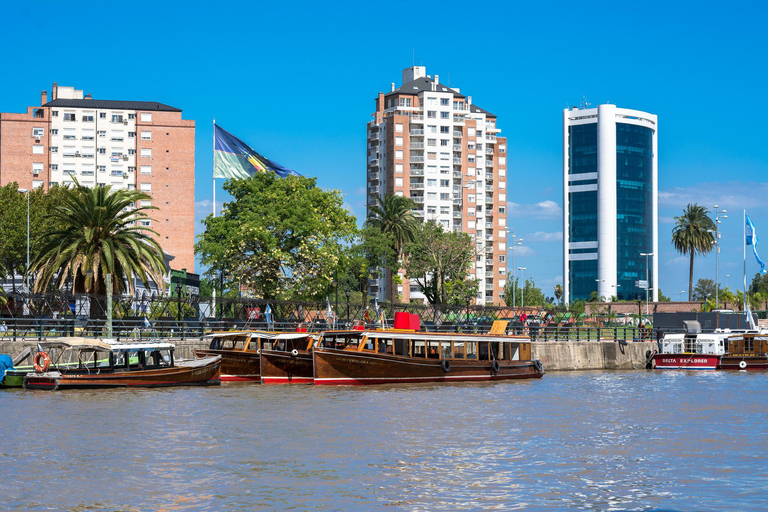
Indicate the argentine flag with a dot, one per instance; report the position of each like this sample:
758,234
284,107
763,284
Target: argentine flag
752,240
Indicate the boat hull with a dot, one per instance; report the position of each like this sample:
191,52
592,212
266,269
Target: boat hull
686,362
343,367
284,368
236,365
202,373
751,363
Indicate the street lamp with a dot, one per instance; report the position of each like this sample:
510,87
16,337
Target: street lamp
522,289
515,242
681,295
647,282
718,216
26,274
726,280
597,291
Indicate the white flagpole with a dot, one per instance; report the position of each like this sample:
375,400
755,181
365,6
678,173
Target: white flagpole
744,241
213,169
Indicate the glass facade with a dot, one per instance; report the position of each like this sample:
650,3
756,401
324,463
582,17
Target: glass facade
582,208
634,207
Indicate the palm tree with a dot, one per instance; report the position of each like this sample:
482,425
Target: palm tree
693,233
558,292
97,232
393,216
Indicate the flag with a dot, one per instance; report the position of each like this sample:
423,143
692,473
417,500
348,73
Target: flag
328,310
750,319
752,240
268,314
367,316
233,158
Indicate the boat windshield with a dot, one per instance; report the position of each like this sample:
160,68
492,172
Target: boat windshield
138,359
341,341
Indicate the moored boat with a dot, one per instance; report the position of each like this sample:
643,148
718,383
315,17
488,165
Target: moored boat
746,351
102,364
399,356
690,351
240,360
286,358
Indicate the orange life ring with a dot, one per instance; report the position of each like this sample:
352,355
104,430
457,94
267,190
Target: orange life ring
46,362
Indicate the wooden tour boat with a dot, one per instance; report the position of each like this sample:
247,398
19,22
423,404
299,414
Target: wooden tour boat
239,354
247,355
104,363
286,358
746,351
396,356
691,351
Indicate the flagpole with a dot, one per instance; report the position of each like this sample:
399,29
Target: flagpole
744,241
213,173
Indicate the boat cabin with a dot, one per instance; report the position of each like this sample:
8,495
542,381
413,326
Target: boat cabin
430,346
748,344
255,340
94,354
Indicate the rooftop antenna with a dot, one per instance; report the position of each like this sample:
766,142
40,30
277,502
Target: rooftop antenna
584,103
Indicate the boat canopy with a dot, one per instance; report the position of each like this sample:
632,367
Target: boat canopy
227,334
418,336
268,335
76,342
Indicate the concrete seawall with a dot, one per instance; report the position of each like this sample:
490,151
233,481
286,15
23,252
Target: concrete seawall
605,355
560,355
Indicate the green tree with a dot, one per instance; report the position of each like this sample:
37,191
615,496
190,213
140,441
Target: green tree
693,234
95,232
663,298
529,295
393,216
559,292
437,258
281,237
704,289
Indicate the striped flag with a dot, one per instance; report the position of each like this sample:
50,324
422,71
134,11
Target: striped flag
233,158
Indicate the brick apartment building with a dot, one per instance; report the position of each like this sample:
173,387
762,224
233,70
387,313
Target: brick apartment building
141,145
429,142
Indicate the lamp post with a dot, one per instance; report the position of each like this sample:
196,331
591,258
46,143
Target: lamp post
515,242
681,295
522,289
26,273
598,281
718,215
347,292
647,282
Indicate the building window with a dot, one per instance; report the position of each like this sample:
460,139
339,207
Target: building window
117,118
145,203
470,132
102,168
54,113
102,133
502,210
131,135
131,151
54,167
431,195
146,187
102,115
37,168
102,151
38,132
87,134
398,140
148,136
38,149
54,149
431,182
37,183
445,210
432,129
431,114
445,115
398,154
55,131
399,168
398,127
444,129
131,169
502,259
471,198
398,182
471,224
432,210
146,169
444,142
68,116
431,156
445,102
88,119
431,101
147,153
445,183
432,142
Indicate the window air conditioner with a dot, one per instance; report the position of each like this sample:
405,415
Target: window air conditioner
125,157
125,175
125,123
77,153
37,138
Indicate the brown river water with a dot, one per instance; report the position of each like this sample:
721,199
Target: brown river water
608,440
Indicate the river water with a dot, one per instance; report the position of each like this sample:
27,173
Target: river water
640,440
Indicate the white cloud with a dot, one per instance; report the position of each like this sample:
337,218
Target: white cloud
666,220
541,236
545,209
204,208
677,260
731,194
524,251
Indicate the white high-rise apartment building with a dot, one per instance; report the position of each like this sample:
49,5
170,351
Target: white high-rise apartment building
429,142
610,203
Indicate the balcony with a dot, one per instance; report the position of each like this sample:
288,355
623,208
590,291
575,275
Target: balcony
418,199
488,151
458,133
417,145
373,190
458,201
457,147
489,225
417,117
457,214
417,186
489,188
417,159
457,174
489,287
489,163
490,137
375,176
374,136
417,131
373,162
457,161
417,172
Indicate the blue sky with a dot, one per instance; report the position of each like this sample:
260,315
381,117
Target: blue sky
297,81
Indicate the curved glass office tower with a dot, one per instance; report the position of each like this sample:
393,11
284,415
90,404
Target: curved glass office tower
610,198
